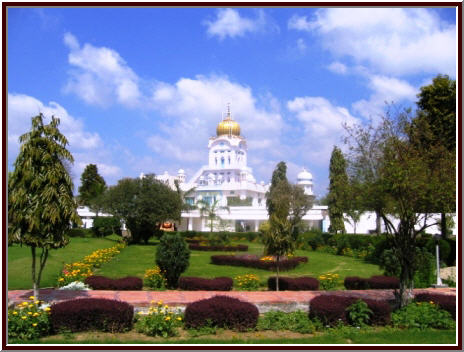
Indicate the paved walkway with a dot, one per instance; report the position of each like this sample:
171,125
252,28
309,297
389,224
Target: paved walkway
265,300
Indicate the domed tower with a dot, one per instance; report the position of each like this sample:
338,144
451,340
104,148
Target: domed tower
227,150
305,180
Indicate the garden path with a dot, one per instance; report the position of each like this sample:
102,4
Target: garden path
265,300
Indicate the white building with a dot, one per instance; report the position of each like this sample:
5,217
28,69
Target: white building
228,179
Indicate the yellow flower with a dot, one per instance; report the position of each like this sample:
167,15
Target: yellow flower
23,317
37,302
30,313
179,318
167,318
431,302
32,297
152,302
160,303
166,306
47,309
15,313
31,305
34,324
35,314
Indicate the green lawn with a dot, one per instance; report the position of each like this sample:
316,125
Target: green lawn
20,261
135,259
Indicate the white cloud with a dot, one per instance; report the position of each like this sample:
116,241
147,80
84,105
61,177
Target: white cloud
391,40
338,67
228,22
301,45
384,89
100,76
323,127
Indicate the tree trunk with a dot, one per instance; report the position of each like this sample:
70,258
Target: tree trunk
444,226
378,228
277,272
34,282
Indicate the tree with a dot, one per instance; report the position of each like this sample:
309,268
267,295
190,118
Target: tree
354,204
187,207
172,257
433,132
337,190
41,206
287,204
143,204
209,211
92,187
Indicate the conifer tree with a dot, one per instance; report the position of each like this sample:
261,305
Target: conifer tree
337,188
92,185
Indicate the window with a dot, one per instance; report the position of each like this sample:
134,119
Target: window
190,200
222,162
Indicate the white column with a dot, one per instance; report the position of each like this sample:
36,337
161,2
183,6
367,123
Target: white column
190,224
256,225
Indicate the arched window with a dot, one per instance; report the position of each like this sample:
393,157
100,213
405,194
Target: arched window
222,162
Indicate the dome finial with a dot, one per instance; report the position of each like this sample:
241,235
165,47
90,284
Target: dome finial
228,111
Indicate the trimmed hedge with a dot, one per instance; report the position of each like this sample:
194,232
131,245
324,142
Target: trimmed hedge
221,311
293,283
200,284
255,262
91,314
331,309
446,302
374,282
128,283
198,247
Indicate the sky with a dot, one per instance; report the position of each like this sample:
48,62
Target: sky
142,89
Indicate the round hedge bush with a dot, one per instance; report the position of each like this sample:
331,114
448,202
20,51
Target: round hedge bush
221,311
305,283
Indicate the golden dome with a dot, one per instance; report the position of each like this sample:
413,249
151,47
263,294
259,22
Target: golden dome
228,127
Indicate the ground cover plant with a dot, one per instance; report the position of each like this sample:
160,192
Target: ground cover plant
259,262
28,320
159,321
422,315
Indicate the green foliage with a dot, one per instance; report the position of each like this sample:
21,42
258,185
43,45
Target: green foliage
359,313
154,279
28,320
160,321
106,225
297,321
172,257
209,211
279,175
338,186
221,238
92,185
422,315
40,199
328,281
142,204
80,232
237,202
247,282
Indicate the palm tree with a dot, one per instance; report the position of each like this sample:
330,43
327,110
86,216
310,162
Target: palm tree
209,211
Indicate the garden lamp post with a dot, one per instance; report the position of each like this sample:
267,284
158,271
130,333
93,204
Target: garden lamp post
437,254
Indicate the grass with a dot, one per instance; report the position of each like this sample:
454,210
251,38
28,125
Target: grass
20,261
135,259
385,335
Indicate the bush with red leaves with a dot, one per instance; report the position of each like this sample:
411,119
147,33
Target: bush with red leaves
293,283
356,283
124,284
446,302
199,284
383,282
238,248
330,309
91,314
221,311
252,261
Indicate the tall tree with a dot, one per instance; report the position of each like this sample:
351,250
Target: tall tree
92,186
338,188
142,204
279,174
40,194
433,132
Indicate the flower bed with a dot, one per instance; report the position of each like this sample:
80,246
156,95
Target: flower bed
124,284
446,302
199,284
293,283
199,247
254,261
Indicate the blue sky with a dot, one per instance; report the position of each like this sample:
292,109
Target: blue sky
142,90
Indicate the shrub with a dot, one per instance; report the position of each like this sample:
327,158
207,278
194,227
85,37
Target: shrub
106,225
28,320
446,302
154,279
330,309
172,257
355,283
92,314
247,282
328,281
293,283
383,282
422,315
80,232
128,283
221,311
74,272
198,247
198,284
255,262
160,321
359,313
295,321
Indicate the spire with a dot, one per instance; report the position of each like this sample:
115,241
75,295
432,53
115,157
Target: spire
228,111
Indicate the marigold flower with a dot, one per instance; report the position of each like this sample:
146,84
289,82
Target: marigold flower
167,318
34,324
15,312
35,314
32,297
23,317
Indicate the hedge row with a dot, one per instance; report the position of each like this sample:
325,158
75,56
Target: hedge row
293,283
285,264
446,302
249,236
330,309
374,282
200,284
124,284
91,314
198,247
221,311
